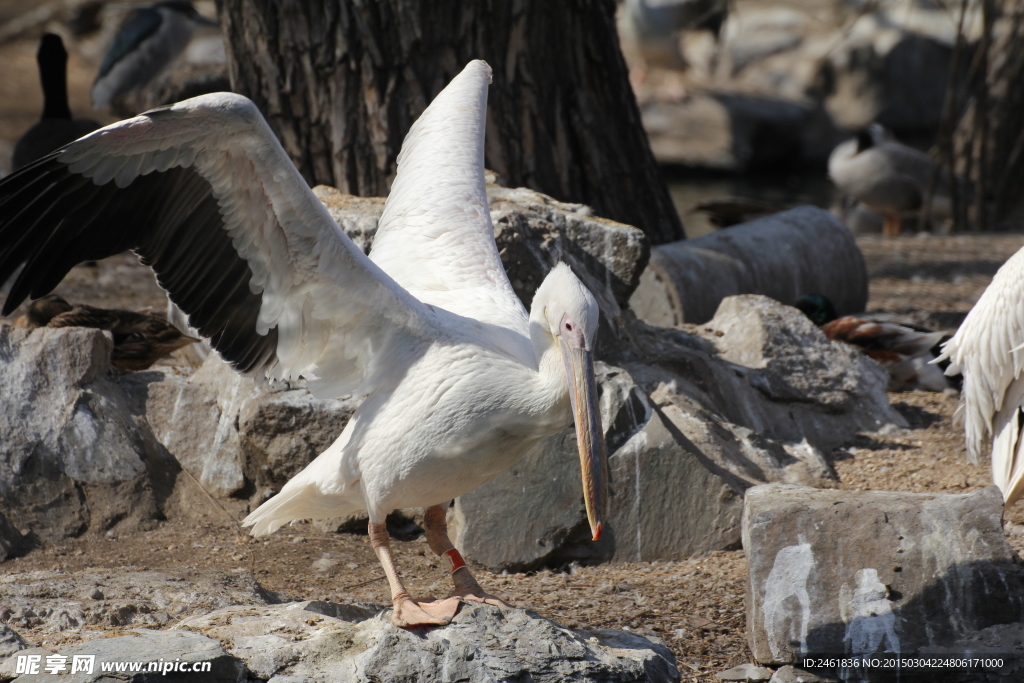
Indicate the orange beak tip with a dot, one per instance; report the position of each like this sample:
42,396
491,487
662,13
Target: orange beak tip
597,532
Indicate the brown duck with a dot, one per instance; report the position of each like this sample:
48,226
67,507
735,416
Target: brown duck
140,339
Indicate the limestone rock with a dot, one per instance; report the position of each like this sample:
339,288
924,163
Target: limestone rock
12,541
235,435
677,473
76,454
805,381
791,674
161,649
10,641
533,233
766,367
691,422
874,572
805,250
52,601
9,666
322,641
749,673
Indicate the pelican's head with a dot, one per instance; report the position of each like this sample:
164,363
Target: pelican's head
564,317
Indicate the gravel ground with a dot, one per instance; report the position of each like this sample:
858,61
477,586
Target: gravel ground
696,605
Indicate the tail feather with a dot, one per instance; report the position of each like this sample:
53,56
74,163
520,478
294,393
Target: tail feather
298,502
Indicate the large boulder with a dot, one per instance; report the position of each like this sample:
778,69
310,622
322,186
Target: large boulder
226,623
533,233
805,250
174,655
689,427
321,641
77,453
874,573
235,435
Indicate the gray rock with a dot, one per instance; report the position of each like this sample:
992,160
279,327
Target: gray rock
9,666
785,256
55,602
10,641
533,233
791,674
745,672
809,387
157,651
691,423
300,641
12,541
234,434
736,132
874,572
76,454
766,367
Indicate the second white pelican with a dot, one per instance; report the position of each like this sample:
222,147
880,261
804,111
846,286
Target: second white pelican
459,379
989,350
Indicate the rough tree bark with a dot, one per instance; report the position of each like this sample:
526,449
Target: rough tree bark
984,122
341,83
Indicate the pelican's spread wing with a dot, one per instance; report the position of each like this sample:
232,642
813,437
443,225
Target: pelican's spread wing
205,194
987,350
435,236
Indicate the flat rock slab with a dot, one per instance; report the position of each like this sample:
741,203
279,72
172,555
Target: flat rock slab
859,573
323,641
748,673
791,674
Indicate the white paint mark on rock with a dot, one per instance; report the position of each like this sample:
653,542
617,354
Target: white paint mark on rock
867,612
788,581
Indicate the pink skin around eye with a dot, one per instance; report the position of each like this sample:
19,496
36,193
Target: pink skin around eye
572,333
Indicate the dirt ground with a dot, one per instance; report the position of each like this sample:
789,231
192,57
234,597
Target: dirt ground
695,605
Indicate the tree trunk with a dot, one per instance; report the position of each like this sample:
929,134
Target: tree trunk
341,83
985,121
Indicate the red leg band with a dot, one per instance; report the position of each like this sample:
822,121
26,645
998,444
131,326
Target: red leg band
454,559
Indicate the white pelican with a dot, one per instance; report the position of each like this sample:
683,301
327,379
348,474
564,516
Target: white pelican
459,379
149,41
987,349
887,176
55,128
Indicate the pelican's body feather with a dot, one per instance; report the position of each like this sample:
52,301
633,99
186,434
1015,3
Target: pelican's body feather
987,349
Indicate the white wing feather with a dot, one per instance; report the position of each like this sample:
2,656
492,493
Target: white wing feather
336,312
987,350
435,237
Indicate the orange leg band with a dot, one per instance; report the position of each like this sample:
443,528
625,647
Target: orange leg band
454,559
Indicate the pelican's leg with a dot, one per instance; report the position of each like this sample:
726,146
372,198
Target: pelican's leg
435,523
408,613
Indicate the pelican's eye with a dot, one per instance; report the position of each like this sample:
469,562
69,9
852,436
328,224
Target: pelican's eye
568,326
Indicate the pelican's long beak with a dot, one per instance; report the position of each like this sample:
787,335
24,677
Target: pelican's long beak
579,366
